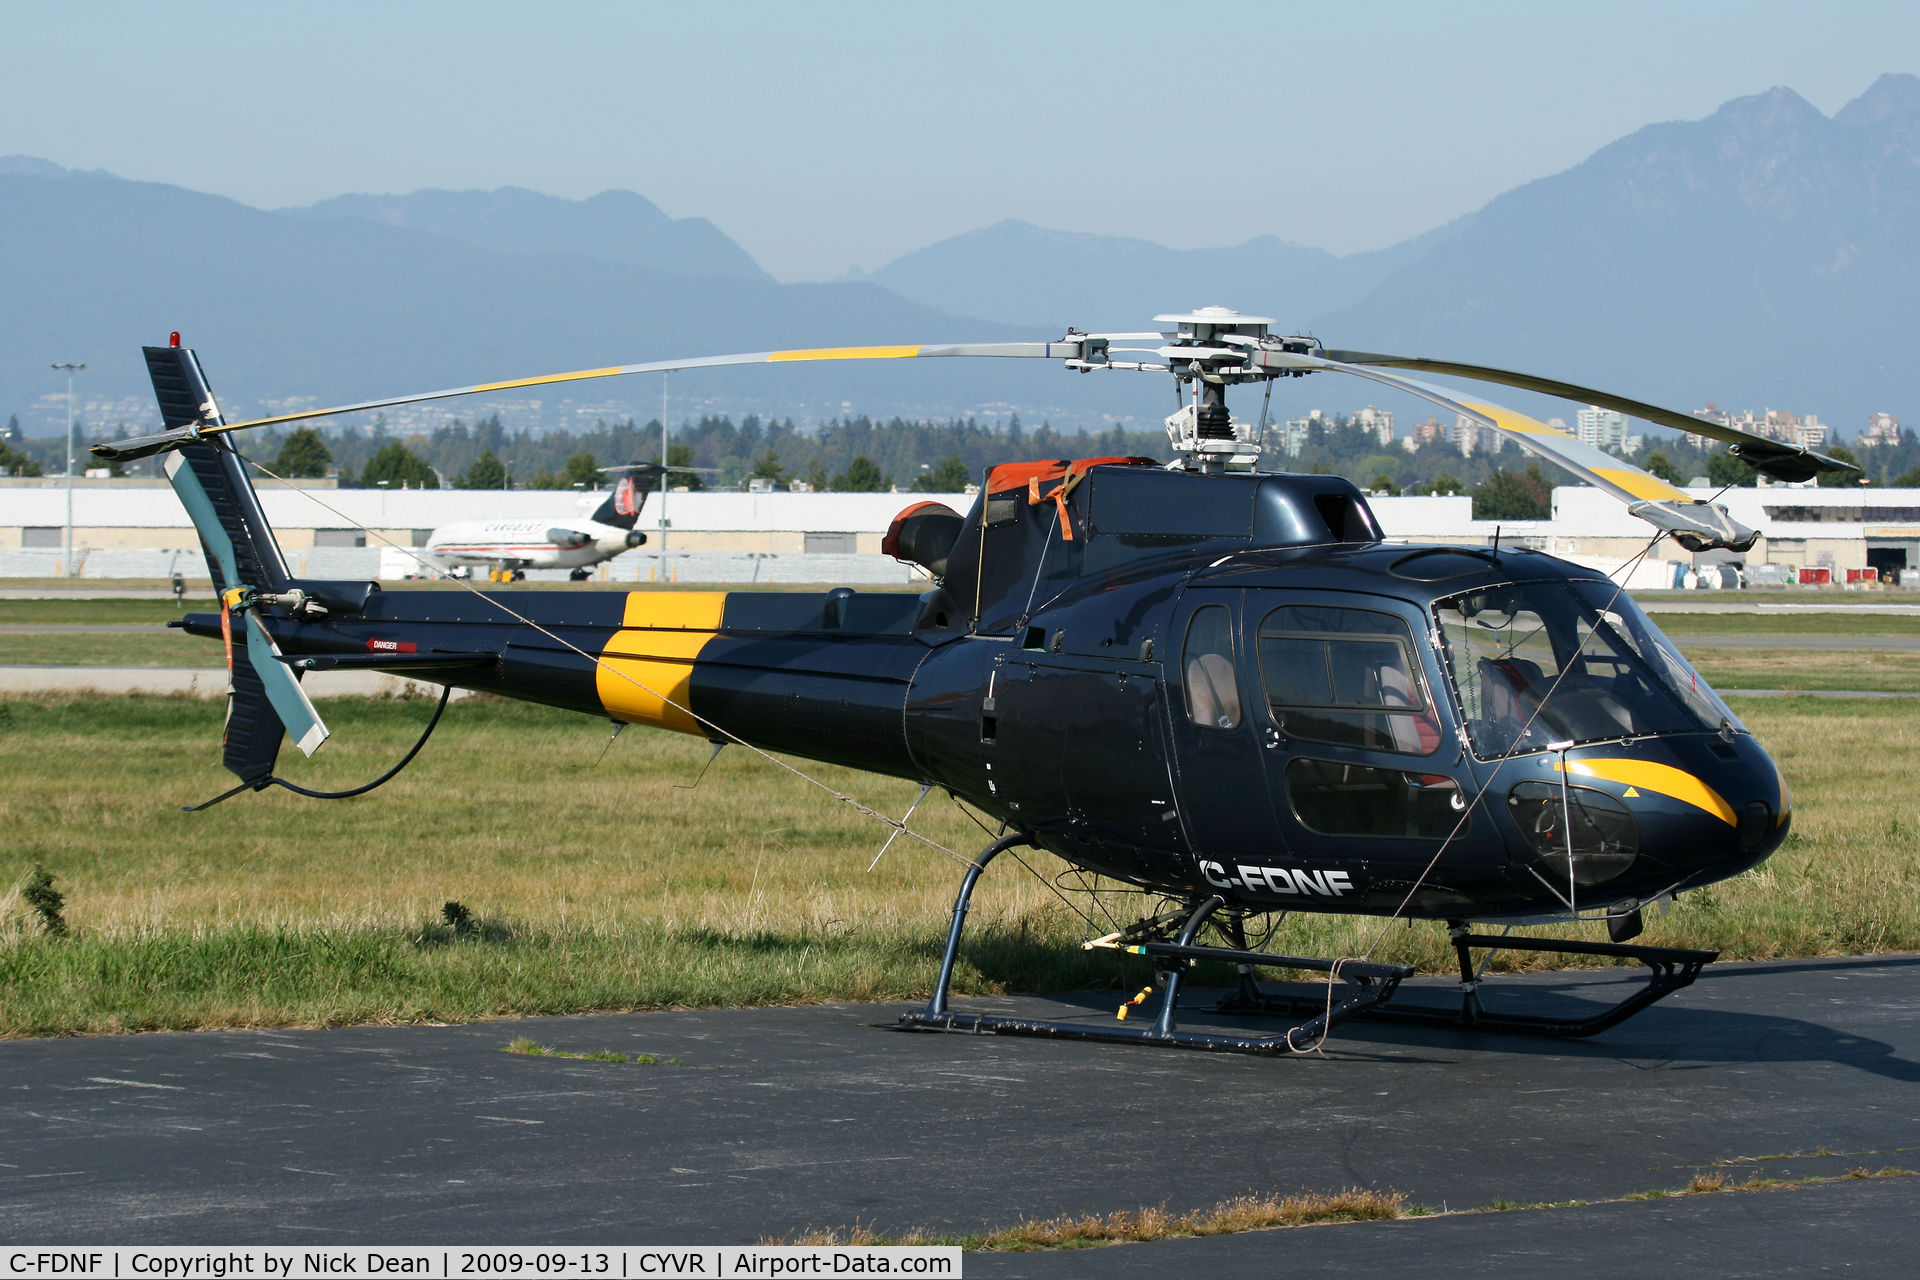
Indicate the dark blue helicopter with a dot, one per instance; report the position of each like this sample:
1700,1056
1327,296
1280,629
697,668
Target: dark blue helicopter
1217,684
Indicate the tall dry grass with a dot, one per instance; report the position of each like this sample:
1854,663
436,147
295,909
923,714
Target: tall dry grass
603,878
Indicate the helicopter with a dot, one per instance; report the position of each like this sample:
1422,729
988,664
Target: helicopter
1214,683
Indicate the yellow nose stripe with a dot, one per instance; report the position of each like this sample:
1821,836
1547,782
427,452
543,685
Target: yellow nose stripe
1661,779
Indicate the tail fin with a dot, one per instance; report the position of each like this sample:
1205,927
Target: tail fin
622,507
265,699
244,551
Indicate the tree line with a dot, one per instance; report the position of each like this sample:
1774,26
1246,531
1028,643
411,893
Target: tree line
861,454
854,454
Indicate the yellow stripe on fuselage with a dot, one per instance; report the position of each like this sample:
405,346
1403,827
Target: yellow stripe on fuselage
846,353
648,666
1662,779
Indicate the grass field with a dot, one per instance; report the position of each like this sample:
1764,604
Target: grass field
1897,671
100,612
1751,669
1837,597
1724,668
598,877
161,649
89,610
1837,623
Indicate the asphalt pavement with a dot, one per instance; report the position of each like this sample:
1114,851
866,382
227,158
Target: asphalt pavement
776,1120
1858,1228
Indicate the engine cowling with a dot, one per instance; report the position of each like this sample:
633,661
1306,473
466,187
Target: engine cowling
924,534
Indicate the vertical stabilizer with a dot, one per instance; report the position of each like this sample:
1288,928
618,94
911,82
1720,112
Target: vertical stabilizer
622,507
265,698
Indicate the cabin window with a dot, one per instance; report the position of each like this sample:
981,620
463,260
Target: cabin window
1213,689
1346,676
1337,799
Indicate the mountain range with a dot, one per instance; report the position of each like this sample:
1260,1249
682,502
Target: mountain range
300,310
1762,257
618,226
1019,273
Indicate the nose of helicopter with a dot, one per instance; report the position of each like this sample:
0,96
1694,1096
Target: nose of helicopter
1651,814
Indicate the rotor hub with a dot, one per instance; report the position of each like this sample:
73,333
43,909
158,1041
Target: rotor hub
1209,324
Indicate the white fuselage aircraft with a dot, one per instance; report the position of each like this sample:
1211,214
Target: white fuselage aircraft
573,542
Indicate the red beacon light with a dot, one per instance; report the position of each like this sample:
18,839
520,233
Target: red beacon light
173,339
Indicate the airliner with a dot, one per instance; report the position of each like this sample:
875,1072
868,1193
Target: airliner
574,542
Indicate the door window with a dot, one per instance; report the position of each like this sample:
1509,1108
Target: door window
1213,690
1337,799
1346,676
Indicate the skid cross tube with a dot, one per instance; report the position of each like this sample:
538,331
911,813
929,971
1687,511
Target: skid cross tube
1671,968
1372,984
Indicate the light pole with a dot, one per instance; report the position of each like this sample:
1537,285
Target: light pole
70,370
661,507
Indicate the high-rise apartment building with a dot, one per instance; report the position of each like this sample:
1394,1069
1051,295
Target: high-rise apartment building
1376,422
1601,428
1294,436
1882,428
1773,424
1471,438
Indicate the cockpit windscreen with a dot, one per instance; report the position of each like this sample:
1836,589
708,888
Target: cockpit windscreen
1547,662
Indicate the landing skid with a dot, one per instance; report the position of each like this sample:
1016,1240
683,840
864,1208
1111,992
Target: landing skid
1368,990
1669,969
1367,987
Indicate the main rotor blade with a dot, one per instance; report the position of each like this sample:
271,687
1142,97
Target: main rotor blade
1775,458
143,446
1698,525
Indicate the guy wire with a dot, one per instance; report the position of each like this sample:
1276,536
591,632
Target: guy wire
1486,788
1093,894
875,814
1480,796
1055,890
1029,870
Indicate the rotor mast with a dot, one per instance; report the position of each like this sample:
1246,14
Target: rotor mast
1209,349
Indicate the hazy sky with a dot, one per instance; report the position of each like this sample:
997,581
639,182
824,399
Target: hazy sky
824,135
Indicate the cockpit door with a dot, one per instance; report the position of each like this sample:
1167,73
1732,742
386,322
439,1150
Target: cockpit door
1363,760
1211,705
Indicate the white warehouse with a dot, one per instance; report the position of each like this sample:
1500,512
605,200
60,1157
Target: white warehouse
137,529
